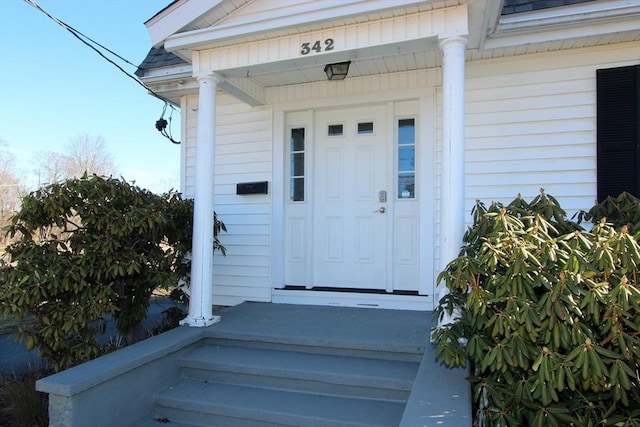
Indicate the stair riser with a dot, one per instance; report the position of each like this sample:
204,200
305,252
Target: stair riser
388,390
415,355
193,418
235,417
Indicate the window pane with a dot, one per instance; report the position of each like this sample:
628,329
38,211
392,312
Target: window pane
335,130
364,128
406,185
406,158
297,164
297,139
297,189
406,131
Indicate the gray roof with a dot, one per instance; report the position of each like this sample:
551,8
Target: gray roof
518,6
158,58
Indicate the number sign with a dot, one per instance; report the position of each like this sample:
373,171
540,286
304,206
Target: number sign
316,47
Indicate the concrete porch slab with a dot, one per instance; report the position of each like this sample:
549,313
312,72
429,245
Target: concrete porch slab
366,328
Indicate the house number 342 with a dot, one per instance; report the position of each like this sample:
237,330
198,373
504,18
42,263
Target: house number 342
317,47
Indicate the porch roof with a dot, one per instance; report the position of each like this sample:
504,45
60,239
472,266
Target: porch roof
229,30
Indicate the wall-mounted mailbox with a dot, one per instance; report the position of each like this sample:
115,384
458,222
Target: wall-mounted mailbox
260,187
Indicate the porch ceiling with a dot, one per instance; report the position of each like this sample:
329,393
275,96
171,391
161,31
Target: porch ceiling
359,67
367,62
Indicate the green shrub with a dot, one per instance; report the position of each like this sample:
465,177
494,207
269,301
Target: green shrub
547,315
89,248
620,211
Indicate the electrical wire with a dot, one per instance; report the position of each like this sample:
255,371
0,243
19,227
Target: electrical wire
161,123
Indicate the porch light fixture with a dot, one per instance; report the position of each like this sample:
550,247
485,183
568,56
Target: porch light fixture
337,71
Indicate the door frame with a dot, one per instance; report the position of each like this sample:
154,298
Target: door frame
427,152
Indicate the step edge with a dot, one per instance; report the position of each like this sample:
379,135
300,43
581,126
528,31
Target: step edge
314,342
404,384
243,411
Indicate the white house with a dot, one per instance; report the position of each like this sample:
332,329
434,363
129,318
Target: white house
355,190
343,143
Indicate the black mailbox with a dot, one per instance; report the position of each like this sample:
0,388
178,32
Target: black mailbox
260,187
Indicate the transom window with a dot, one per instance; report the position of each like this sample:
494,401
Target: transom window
335,130
365,128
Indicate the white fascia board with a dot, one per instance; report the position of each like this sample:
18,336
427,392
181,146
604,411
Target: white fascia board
561,34
577,12
318,12
182,72
172,90
176,17
179,80
483,19
585,19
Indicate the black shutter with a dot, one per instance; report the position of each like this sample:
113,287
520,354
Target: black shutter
618,93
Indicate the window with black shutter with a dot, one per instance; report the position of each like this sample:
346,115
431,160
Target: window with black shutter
618,110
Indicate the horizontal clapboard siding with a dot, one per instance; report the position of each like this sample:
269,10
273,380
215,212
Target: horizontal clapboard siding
243,154
531,124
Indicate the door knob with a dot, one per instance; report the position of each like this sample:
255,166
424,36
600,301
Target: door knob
381,210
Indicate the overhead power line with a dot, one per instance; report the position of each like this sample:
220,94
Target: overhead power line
87,41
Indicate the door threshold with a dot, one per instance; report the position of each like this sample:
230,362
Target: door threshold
350,290
357,298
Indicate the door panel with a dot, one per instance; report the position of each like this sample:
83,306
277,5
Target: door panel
350,229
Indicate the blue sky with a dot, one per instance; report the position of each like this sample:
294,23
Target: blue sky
53,88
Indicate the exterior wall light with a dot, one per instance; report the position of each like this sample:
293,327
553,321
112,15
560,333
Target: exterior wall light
337,71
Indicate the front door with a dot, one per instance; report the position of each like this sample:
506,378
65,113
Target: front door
351,189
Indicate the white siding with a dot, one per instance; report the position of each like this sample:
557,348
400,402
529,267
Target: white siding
243,154
531,124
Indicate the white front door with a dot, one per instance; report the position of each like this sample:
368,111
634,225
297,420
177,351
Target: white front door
351,189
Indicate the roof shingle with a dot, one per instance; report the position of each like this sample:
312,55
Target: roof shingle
158,57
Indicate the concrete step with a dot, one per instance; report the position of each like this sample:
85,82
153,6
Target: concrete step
321,373
354,346
298,366
209,403
294,370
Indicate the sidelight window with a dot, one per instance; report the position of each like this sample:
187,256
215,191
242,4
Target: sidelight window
296,192
406,158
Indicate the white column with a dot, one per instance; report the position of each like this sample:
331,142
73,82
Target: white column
201,289
452,215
